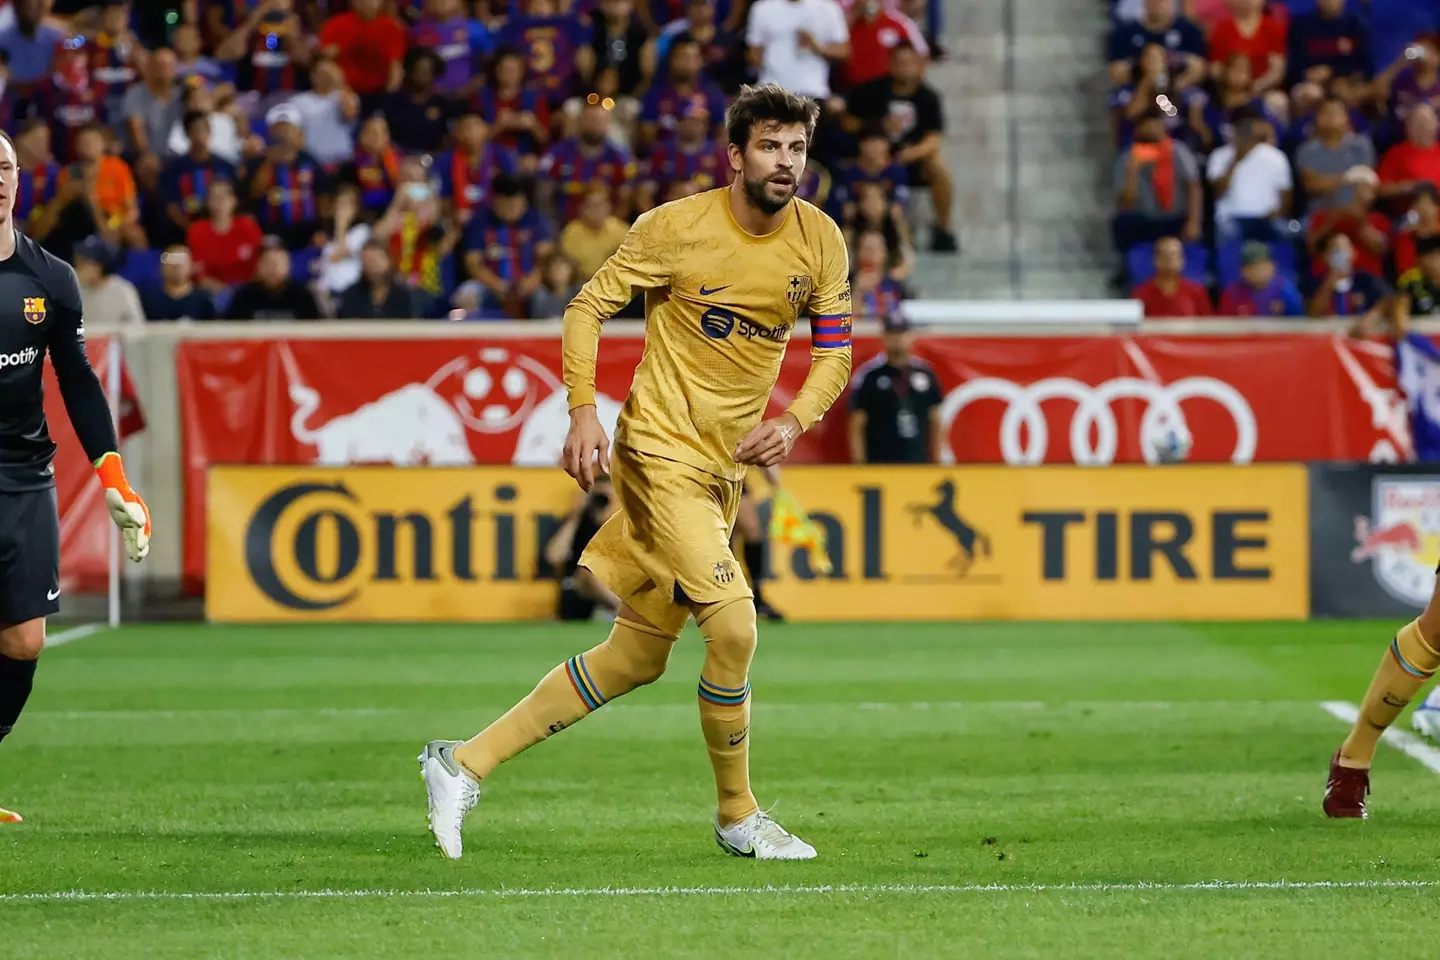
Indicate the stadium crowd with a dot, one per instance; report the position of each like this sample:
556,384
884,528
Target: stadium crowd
1277,159
296,159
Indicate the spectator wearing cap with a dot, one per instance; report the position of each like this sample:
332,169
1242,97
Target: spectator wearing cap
505,248
591,238
1417,160
1182,42
1253,32
106,298
369,46
286,184
67,100
225,246
30,42
1325,159
187,179
419,116
378,294
274,294
874,32
1420,224
1357,218
721,51
1252,182
1330,42
270,50
152,108
1342,290
327,114
417,235
683,83
96,195
459,42
895,402
175,296
692,157
1169,293
575,163
555,39
1157,185
908,109
1418,289
37,173
466,170
796,42
1261,290
515,109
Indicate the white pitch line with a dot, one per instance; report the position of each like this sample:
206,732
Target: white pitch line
504,893
73,634
1407,743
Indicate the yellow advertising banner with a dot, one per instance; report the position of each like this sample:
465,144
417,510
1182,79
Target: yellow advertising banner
904,543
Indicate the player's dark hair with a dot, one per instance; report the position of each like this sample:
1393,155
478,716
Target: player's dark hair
768,103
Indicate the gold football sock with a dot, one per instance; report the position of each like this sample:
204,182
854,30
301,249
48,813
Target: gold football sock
633,655
1406,667
729,632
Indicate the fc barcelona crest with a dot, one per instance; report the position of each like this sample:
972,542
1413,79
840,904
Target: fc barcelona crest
798,292
35,309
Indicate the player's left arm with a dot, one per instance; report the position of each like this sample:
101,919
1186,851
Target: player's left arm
89,412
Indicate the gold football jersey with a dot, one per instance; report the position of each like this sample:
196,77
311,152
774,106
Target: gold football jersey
720,307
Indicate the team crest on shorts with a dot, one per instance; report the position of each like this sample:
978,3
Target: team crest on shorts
724,571
35,309
798,291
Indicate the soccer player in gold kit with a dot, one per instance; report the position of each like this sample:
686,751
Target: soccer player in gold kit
727,275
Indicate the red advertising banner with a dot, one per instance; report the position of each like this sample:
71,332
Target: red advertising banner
1017,400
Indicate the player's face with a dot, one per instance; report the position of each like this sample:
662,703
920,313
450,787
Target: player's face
771,164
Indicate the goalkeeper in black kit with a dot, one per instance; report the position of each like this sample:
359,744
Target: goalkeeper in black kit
40,312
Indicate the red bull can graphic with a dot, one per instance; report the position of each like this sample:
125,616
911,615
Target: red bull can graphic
1401,539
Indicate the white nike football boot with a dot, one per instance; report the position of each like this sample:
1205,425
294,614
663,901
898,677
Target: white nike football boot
1426,718
758,837
452,791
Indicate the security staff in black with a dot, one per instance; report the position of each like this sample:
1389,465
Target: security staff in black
895,403
40,313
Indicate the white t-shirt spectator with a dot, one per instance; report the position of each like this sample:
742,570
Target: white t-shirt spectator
225,140
1256,184
327,134
775,27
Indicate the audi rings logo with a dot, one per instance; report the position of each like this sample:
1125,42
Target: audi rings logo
1094,431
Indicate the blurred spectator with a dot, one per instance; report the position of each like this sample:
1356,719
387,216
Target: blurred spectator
418,237
153,107
419,116
466,170
97,195
554,40
459,42
175,296
191,64
504,249
327,114
1421,224
908,109
273,294
187,179
227,133
1343,291
816,184
1414,161
158,228
557,289
683,83
1153,87
66,98
874,293
592,237
106,298
619,42
270,50
338,266
378,294
30,43
873,164
225,246
895,402
1169,293
1324,159
37,173
574,164
691,157
286,183
114,57
1252,182
1418,290
795,42
1368,229
1413,79
1157,180
517,112
1261,290
1252,31
1181,41
1234,100
874,32
1330,42
721,51
368,44
872,212
581,592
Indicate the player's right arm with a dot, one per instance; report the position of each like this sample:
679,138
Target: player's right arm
639,264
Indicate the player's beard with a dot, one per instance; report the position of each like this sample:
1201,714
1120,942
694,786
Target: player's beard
756,190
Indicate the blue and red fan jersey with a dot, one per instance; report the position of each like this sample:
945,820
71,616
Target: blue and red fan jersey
708,164
490,107
37,188
187,181
664,104
287,194
576,171
509,250
465,180
553,43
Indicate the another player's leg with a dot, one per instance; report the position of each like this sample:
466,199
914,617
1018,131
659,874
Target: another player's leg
634,654
752,538
741,827
1405,667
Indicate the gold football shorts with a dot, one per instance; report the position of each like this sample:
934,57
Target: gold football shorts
668,544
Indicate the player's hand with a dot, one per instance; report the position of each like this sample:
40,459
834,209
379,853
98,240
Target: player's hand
126,508
770,442
585,446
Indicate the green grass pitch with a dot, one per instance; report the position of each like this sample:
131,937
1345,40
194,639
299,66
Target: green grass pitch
1095,774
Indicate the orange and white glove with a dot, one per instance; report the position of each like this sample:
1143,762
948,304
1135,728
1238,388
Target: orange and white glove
126,508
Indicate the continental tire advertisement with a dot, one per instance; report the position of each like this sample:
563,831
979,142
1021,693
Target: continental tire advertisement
1375,538
916,543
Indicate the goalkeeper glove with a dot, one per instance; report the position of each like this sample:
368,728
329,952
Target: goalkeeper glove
126,508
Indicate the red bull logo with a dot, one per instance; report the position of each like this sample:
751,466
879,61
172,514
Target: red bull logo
1401,538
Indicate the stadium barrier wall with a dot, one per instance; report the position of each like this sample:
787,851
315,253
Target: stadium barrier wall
1202,542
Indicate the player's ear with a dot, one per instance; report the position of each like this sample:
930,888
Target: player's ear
737,158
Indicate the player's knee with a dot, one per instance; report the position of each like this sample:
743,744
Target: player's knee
23,641
730,636
642,651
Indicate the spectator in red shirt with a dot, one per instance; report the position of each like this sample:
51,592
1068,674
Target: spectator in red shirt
225,247
1250,30
1169,293
1417,160
369,46
874,32
1368,230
